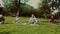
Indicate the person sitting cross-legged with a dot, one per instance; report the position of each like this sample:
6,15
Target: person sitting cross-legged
52,19
33,19
1,19
17,19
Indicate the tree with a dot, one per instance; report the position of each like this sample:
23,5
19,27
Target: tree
26,9
7,6
16,4
13,7
45,9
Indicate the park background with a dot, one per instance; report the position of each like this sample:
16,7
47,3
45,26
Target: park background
42,9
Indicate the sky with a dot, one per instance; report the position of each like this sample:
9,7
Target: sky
34,3
1,3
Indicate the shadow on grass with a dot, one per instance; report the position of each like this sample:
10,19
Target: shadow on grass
5,32
7,23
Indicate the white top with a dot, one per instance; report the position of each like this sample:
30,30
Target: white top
17,19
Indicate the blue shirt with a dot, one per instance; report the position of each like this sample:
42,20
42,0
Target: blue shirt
32,19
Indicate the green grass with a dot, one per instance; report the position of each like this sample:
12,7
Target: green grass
42,28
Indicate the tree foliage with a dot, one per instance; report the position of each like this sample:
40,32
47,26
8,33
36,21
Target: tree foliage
12,8
45,8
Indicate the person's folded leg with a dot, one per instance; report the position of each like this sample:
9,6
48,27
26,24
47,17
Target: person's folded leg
1,22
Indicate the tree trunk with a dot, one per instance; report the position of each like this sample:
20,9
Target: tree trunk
18,12
18,8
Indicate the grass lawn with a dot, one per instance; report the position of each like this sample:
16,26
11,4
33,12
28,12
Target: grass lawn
42,28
